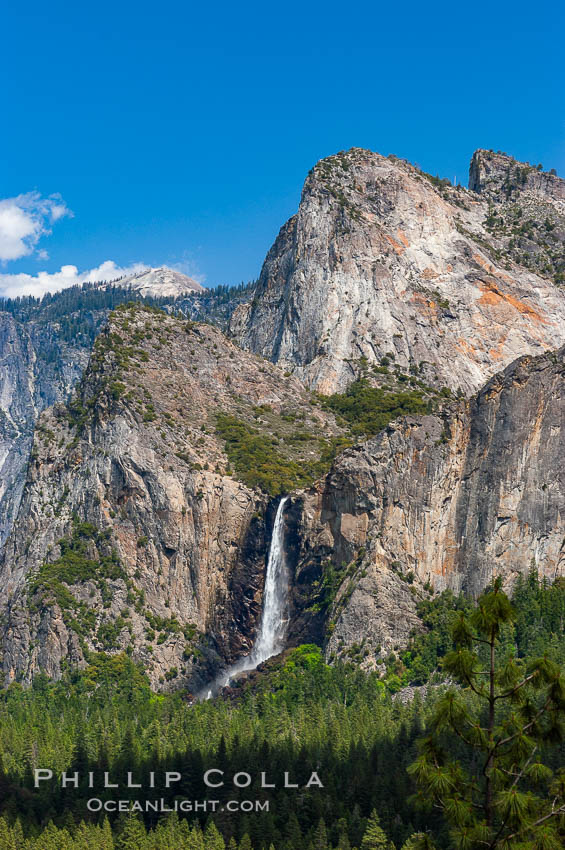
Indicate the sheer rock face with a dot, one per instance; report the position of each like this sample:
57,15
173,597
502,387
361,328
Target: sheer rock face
380,258
16,416
137,457
40,363
449,502
37,369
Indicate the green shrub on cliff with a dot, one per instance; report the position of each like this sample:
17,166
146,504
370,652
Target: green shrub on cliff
369,409
257,460
50,585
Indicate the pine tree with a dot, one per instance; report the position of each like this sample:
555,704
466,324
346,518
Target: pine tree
320,836
107,842
55,839
292,832
418,841
245,843
375,836
506,714
196,840
18,834
132,834
343,842
7,839
213,840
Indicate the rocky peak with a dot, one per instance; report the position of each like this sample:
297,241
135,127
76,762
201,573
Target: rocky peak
499,176
525,211
383,260
161,283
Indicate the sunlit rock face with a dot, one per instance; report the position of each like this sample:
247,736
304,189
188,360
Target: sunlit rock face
380,259
161,283
137,458
440,502
44,350
171,546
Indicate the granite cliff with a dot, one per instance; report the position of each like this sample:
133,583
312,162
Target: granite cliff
133,532
38,367
525,212
45,346
382,258
436,502
147,502
148,508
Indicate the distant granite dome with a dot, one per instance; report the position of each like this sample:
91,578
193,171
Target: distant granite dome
161,282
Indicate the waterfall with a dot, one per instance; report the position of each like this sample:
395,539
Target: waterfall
272,629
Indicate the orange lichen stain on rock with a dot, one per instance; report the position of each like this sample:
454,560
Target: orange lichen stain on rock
450,550
403,238
492,296
418,463
424,303
484,264
497,353
449,267
488,267
429,274
399,249
465,347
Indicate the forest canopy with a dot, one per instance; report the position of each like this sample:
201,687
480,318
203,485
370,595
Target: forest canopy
301,715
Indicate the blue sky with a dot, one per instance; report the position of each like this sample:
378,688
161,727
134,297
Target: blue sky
181,134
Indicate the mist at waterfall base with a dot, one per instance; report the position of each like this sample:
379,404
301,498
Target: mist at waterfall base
272,629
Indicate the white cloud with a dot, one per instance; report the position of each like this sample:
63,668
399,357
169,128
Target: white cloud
12,285
24,220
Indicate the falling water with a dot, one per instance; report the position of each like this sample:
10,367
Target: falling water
272,629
